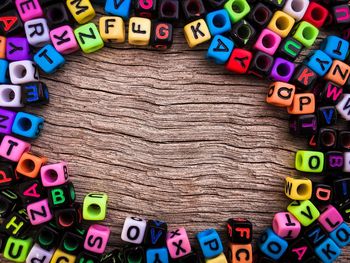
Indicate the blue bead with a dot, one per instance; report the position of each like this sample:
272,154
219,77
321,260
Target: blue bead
328,251
335,47
319,62
27,125
218,22
220,49
49,59
210,243
118,8
157,255
341,235
272,245
4,66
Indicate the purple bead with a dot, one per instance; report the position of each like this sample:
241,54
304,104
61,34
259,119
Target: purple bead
282,70
6,121
17,48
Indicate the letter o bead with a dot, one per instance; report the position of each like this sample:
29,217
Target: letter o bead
210,243
54,174
97,238
272,245
12,148
23,71
27,125
10,96
280,94
134,230
309,161
29,165
341,235
95,206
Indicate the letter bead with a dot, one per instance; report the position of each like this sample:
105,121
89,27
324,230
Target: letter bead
344,142
240,253
10,23
178,243
157,254
95,206
162,35
304,78
34,93
341,191
326,139
309,161
306,33
280,94
155,235
330,218
49,59
85,257
38,254
242,33
71,243
335,47
81,10
168,10
218,22
12,148
220,49
260,15
328,251
4,72
23,71
239,231
133,230
300,251
319,62
343,107
197,32
334,161
31,191
88,38
7,175
118,8
37,32
16,249
268,42
112,29
133,253
210,243
193,9
39,212
47,237
29,165
65,218
316,14
322,194
303,125
282,70
272,245
296,8
60,256
341,14
139,31
286,226
9,201
97,238
146,8
315,234
339,73
304,211
331,93
303,103
6,121
63,39
341,235
62,195
239,61
261,64
29,10
281,23
219,259
237,9
298,188
54,174
17,48
290,49
17,224
27,125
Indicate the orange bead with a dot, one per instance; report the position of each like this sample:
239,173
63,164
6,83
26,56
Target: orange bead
2,47
280,94
338,73
239,253
303,103
29,165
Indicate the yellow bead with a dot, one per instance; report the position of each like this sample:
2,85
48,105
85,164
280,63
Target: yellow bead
220,259
298,188
281,23
112,29
81,10
139,31
61,256
197,33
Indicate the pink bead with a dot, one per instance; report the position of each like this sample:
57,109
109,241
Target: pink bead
178,243
12,148
268,42
330,218
63,40
39,212
97,238
54,174
29,10
285,225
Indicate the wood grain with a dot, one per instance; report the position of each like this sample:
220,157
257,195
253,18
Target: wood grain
169,135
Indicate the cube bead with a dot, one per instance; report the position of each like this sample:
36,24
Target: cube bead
309,161
237,9
6,121
298,188
220,49
49,59
27,125
29,10
306,34
319,62
59,255
38,254
316,14
281,23
338,73
282,70
95,206
328,251
139,31
285,225
112,29
178,243
133,230
118,8
154,254
210,243
272,245
341,235
12,148
219,259
239,61
335,47
23,71
330,218
37,32
268,42
10,96
240,253
197,32
17,48
304,211
17,250
63,39
29,165
39,212
81,10
280,94
343,107
97,238
89,38
54,174
303,103
218,22
296,8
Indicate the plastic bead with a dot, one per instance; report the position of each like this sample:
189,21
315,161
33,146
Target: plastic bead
2,47
218,22
97,238
309,161
162,35
316,14
28,10
49,59
326,139
268,42
282,70
10,23
285,225
272,245
95,206
300,251
344,209
210,243
17,48
197,32
338,73
298,188
17,224
290,48
334,161
37,32
157,254
330,218
6,121
71,243
240,231
88,38
303,103
27,125
281,23
23,72
341,235
4,73
67,217
261,64
168,10
31,191
275,3
296,8
133,253
220,259
9,201
178,243
341,14
306,34
242,33
304,78
239,61
29,165
260,15
240,253
63,39
328,251
139,31
81,10
155,235
86,257
17,250
304,211
133,230
12,148
47,237
280,94
54,174
220,49
6,4
237,9
118,8
7,176
112,29
37,254
60,256
34,93
146,9
61,196
335,47
39,212
315,234
303,125
57,15
216,3
344,142
343,107
319,62
331,93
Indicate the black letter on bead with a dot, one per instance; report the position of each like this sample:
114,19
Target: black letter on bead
178,247
138,30
196,30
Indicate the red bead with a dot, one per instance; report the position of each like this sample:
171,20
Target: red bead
316,14
239,61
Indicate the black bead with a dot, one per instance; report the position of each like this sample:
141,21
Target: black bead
145,8
3,241
85,257
67,217
10,23
261,64
155,235
300,251
113,256
9,200
48,237
31,191
344,210
7,175
304,78
330,93
303,125
57,15
35,93
315,234
216,3
334,161
61,196
341,14
290,48
162,35
341,190
71,243
344,140
327,139
44,3
134,254
6,5
17,224
327,115
275,3
239,231
260,15
242,33
322,194
192,257
168,10
193,9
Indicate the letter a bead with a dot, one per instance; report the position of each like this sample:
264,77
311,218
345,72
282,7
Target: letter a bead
134,230
81,10
272,245
17,250
39,255
27,125
97,238
196,32
280,94
89,38
39,212
95,206
139,31
178,243
210,243
54,174
12,148
304,211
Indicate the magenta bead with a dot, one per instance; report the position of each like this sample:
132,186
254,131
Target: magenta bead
63,40
178,243
17,48
282,70
54,174
39,212
268,42
285,225
29,10
12,148
97,238
7,118
330,218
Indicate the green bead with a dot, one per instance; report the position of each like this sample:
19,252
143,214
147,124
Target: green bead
89,38
304,211
17,250
309,161
306,33
95,206
237,9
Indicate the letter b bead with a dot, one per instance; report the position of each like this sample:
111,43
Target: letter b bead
95,206
134,230
298,188
210,243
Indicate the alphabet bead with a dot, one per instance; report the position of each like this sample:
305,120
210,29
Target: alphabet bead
61,196
162,35
304,78
31,191
145,8
216,3
86,257
296,8
193,9
27,125
285,225
261,64
49,59
334,161
260,15
192,257
326,139
341,14
197,32
12,148
220,49
4,70
9,201
133,230
6,121
112,29
210,243
239,231
47,237
300,251
57,15
133,253
303,103
272,245
330,218
54,174
345,211
282,70
6,4
343,107
37,254
290,49
28,10
96,239
71,243
309,161
298,188
306,34
34,93
17,224
338,73
344,140
268,42
139,31
39,212
219,259
81,10
17,249
88,38
23,71
218,22
335,47
281,23
7,176
303,125
240,253
63,39
328,251
280,94
304,211
118,8
59,255
322,194
319,62
29,165
341,235
95,206
155,235
178,243
160,254
168,10
10,23
37,32
17,48
341,190
242,33
239,61
316,14
67,217
237,9
315,234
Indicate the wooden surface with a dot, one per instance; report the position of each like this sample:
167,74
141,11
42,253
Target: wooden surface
169,135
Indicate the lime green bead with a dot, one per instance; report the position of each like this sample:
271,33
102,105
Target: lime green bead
237,9
309,161
89,38
304,211
306,33
95,206
17,250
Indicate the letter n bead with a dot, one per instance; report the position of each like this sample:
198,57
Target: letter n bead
38,254
39,212
197,32
305,211
210,243
49,59
239,61
134,230
338,73
63,39
29,165
81,10
280,94
12,148
286,226
54,174
27,125
139,31
97,238
178,243
239,231
95,206
17,250
330,218
272,245
220,49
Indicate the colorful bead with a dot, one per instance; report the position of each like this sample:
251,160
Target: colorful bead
39,212
95,206
61,196
133,230
96,239
146,8
29,165
71,243
341,235
303,103
219,259
17,48
260,15
319,62
296,8
306,34
290,48
162,35
31,191
281,23
155,235
210,243
282,70
304,211
37,254
338,73
239,61
218,22
88,38
309,161
335,47
157,254
118,8
139,31
298,188
239,231
330,218
37,32
240,253
4,65
34,93
81,10
193,9
23,71
28,10
59,255
316,14
341,14
112,29
237,9
12,148
286,226
272,245
328,251
242,33
27,125
220,49
17,250
57,15
6,121
178,243
63,39
268,42
261,64
54,174
343,107
197,32
49,59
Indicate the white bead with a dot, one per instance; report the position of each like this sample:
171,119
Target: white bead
37,254
10,96
343,107
296,8
37,32
346,162
134,230
23,71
